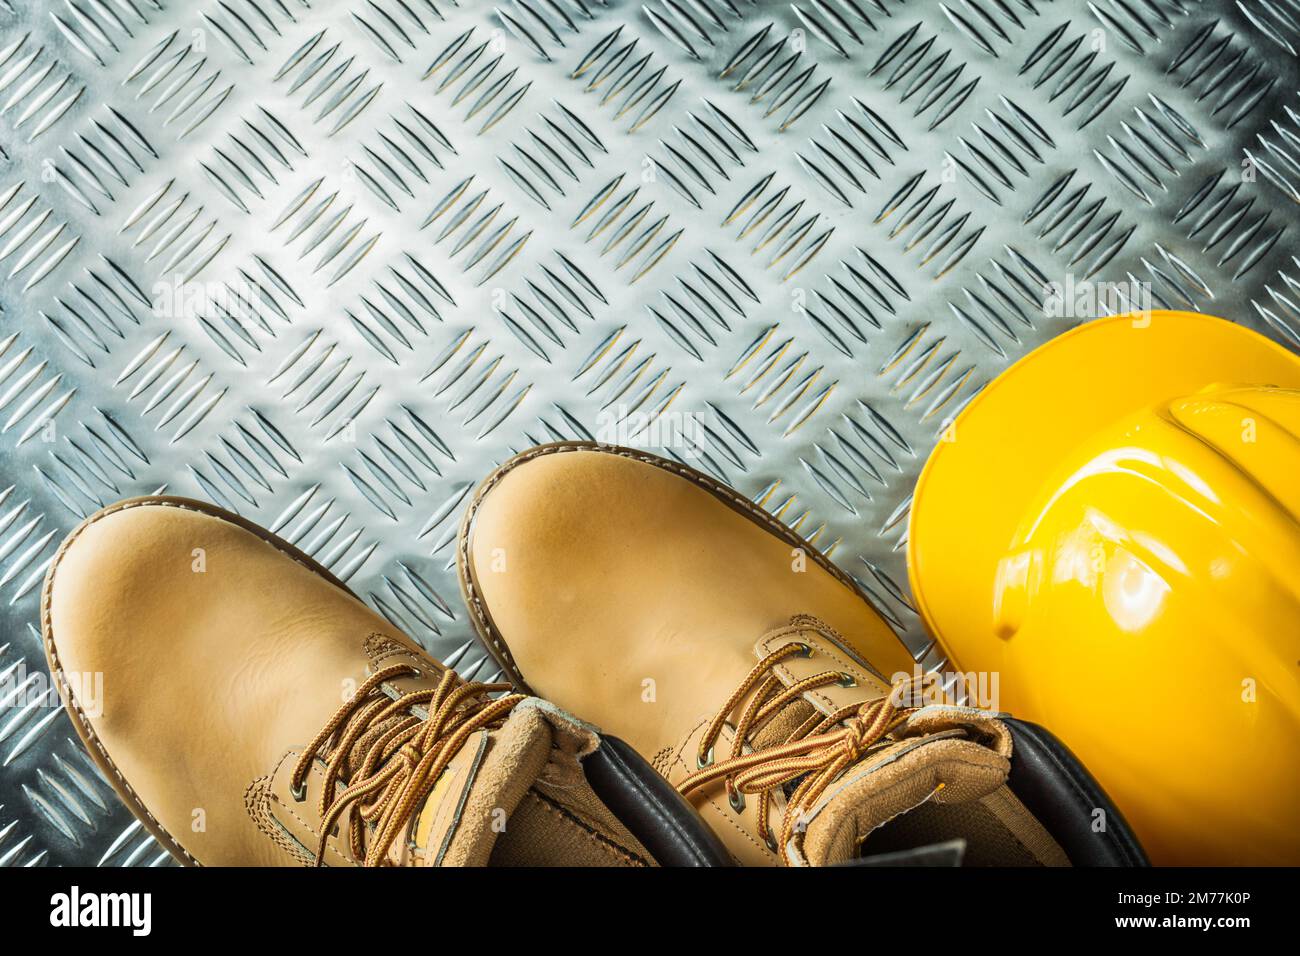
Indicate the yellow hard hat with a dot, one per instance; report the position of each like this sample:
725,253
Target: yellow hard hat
1113,525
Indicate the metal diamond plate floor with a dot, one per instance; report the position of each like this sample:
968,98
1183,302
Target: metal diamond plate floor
326,264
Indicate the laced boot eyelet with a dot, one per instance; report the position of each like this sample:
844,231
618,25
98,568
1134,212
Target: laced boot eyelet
736,799
703,760
848,680
769,839
804,649
299,792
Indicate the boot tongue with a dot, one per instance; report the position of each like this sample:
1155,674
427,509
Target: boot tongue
942,753
471,803
946,755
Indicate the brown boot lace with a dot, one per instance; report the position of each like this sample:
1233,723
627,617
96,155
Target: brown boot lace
390,757
818,750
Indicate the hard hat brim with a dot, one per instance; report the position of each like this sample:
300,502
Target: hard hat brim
972,492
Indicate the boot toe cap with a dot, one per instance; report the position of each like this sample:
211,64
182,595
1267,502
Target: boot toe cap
111,590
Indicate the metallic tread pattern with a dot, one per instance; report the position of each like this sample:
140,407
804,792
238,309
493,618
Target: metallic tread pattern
327,263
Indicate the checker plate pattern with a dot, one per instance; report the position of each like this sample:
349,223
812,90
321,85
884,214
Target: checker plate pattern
327,263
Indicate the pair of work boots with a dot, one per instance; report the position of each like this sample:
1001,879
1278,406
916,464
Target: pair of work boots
254,712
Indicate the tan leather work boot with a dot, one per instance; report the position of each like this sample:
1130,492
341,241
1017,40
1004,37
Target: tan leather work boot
254,712
752,673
